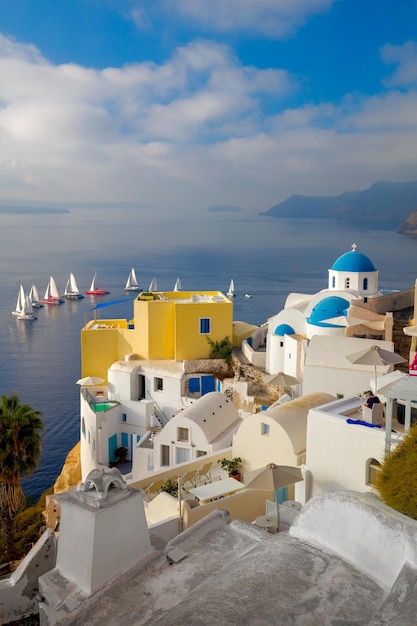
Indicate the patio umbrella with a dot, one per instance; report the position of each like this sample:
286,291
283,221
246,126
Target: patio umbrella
375,356
89,381
272,477
281,380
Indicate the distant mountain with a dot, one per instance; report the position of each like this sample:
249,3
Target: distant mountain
384,203
32,210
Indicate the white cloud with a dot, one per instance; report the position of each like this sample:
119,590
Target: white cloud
271,18
405,57
196,130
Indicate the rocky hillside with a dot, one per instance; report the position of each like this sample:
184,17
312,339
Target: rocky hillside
409,227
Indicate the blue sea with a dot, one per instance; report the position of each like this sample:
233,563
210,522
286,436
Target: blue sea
267,257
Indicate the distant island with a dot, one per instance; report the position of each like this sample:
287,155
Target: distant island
224,208
389,205
16,210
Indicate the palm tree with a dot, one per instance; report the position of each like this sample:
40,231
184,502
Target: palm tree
20,450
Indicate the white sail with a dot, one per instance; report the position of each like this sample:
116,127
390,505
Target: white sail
20,301
53,289
73,284
27,310
177,286
231,291
33,294
153,285
34,297
132,282
48,291
93,283
71,289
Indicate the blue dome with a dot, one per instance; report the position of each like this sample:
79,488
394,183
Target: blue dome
353,261
333,306
284,329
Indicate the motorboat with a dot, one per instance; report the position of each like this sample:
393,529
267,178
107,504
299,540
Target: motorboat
71,289
94,290
132,282
51,294
248,295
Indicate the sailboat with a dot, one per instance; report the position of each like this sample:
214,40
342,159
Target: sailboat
177,286
132,282
153,286
51,294
96,291
71,289
26,313
231,292
20,302
34,297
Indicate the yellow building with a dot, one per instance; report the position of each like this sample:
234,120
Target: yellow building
166,325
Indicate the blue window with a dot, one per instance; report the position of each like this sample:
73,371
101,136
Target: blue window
265,429
205,325
123,417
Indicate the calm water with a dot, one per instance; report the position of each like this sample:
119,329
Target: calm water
266,257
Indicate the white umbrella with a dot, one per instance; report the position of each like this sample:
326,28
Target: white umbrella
90,381
281,380
272,477
375,356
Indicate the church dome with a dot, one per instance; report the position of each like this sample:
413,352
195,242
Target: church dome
284,329
332,306
353,261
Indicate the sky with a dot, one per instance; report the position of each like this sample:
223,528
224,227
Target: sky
180,105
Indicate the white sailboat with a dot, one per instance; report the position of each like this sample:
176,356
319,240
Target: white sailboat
71,289
52,294
132,282
94,290
34,297
231,291
27,311
20,302
153,286
177,286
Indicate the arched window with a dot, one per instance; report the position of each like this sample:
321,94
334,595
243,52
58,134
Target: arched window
373,467
347,283
365,284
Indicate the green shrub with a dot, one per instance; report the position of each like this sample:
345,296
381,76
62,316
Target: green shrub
397,481
222,349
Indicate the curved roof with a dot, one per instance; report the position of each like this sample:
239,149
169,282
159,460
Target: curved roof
284,329
332,306
353,261
292,416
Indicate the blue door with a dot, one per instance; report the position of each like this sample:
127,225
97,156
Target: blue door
207,384
112,448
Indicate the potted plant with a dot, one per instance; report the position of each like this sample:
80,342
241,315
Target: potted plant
121,454
232,466
171,487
